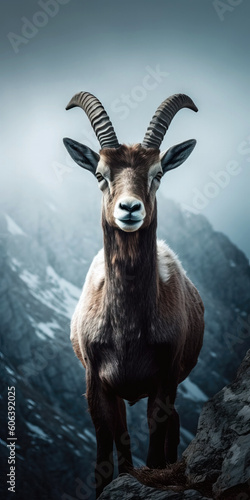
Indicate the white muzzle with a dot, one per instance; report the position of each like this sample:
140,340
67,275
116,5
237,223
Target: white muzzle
129,213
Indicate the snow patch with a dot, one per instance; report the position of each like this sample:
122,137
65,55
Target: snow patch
69,292
47,329
9,370
89,435
87,448
31,403
192,391
187,435
78,453
82,436
12,227
15,264
32,280
38,432
86,436
41,336
65,428
56,293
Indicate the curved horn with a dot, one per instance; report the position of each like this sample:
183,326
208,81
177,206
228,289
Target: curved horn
98,117
163,117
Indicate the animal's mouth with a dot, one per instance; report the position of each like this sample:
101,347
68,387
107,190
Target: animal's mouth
130,220
129,224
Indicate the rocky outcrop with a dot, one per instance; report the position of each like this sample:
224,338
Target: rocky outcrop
217,462
220,452
126,487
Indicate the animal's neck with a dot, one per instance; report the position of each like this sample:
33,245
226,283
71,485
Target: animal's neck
130,274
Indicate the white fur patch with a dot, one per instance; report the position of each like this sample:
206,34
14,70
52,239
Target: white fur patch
103,168
97,269
167,261
153,171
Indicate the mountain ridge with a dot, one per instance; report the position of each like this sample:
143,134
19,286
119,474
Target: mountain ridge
48,240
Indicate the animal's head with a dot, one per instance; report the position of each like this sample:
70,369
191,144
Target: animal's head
129,176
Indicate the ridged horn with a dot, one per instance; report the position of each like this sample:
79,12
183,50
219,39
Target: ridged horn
98,118
163,117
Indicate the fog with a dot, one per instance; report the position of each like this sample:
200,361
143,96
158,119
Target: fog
131,55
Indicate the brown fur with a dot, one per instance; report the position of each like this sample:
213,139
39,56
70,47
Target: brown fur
174,478
137,335
130,156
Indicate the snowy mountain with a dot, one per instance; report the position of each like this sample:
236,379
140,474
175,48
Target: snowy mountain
48,239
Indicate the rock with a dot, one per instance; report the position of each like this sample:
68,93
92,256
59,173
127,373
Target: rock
126,487
220,452
217,460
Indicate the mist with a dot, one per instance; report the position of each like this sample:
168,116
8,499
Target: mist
131,55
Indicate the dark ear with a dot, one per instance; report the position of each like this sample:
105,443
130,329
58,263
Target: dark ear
176,155
82,155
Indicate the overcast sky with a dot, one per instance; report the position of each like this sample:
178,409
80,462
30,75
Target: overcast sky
132,55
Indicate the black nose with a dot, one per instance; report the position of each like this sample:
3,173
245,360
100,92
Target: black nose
129,208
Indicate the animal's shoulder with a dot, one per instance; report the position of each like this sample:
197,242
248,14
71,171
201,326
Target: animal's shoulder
94,281
168,262
96,272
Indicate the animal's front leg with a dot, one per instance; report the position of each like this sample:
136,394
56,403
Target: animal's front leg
158,415
102,408
122,438
162,423
172,438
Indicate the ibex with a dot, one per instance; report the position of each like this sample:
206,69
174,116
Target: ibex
138,327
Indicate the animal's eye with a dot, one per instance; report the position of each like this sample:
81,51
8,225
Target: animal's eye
159,176
102,182
99,177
